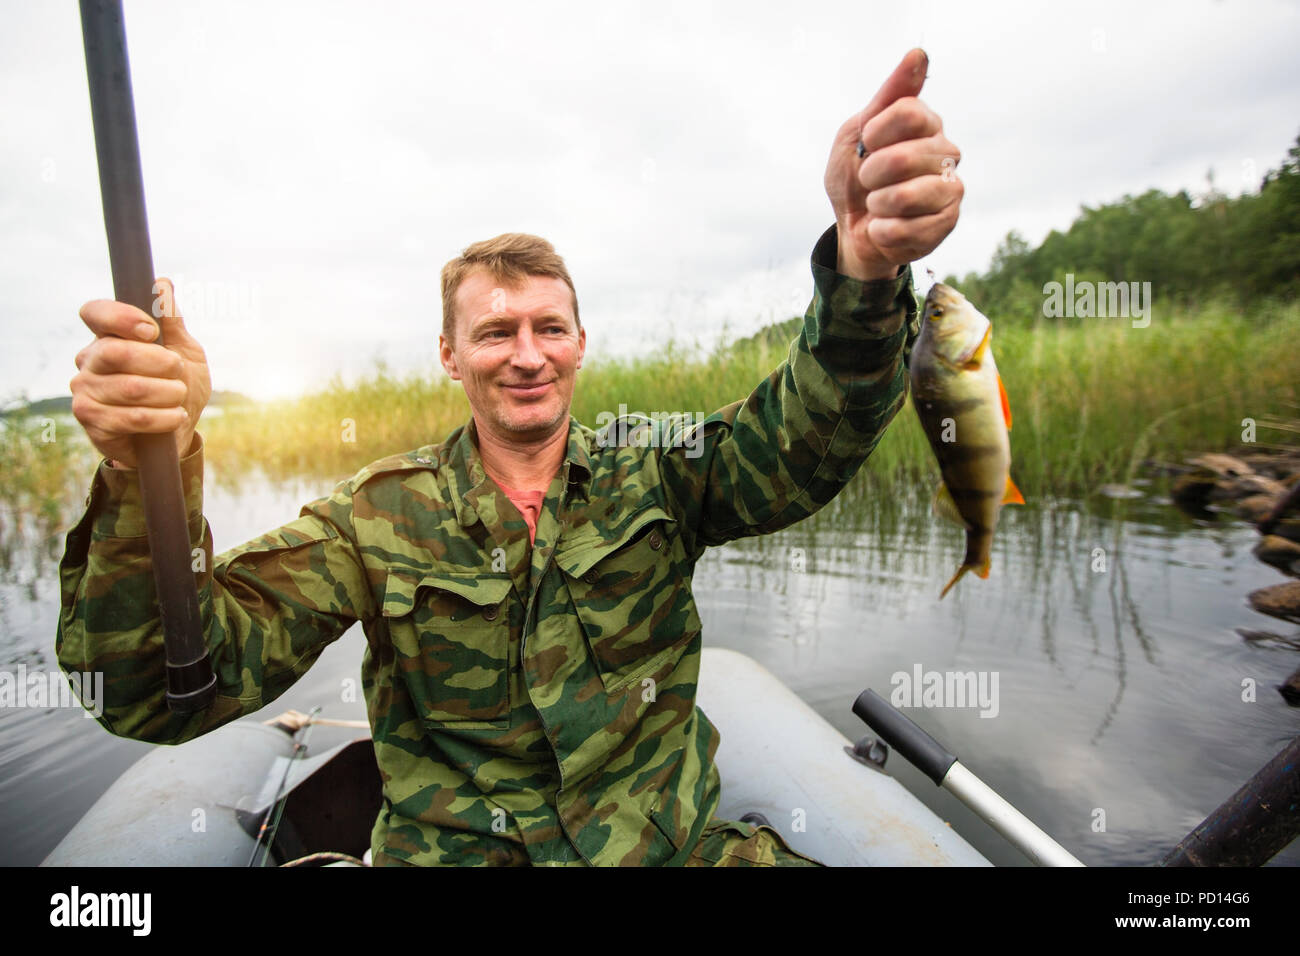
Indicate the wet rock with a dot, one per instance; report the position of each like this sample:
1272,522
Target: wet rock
1274,465
1243,486
1225,466
1284,513
1290,689
1278,600
1255,508
1192,492
1282,553
1288,528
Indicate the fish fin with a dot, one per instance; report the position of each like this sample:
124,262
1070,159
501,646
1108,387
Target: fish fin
981,569
977,356
955,578
1006,402
944,507
1012,495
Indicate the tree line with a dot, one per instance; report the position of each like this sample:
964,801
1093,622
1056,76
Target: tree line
1190,248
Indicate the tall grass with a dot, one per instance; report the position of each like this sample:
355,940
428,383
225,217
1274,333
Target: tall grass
336,430
44,471
339,429
1089,399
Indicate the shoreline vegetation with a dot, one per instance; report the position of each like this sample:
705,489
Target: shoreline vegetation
1091,400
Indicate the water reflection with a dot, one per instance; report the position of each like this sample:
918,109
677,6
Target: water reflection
1110,623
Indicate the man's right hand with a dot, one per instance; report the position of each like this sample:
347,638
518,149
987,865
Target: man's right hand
127,385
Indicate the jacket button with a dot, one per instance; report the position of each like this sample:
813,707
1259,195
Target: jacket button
591,577
490,614
656,540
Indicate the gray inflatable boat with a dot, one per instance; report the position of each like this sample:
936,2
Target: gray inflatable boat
205,802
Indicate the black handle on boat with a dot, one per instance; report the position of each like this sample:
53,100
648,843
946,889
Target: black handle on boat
929,756
191,685
921,750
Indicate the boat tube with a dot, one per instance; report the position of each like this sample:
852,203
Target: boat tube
203,803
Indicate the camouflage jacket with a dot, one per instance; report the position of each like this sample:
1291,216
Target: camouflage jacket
527,704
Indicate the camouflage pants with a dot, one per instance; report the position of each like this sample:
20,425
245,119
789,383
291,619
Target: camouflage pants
727,843
724,843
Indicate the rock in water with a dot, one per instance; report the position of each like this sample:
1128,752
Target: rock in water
1256,507
1272,464
1280,552
1288,528
1278,600
1285,516
1225,466
1192,492
1244,486
1290,689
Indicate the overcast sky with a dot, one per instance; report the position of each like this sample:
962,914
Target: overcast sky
309,167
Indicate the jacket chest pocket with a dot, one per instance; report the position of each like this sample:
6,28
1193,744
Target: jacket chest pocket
633,598
451,644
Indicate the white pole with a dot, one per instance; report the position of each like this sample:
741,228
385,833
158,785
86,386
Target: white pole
1006,819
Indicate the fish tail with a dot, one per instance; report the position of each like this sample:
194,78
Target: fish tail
955,578
981,568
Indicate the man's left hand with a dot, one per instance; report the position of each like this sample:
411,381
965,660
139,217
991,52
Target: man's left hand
901,200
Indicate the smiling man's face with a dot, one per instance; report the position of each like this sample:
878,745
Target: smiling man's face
517,349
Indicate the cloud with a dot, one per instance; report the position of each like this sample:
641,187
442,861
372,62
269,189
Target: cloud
331,157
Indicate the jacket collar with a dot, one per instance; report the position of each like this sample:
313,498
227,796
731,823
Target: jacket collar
468,477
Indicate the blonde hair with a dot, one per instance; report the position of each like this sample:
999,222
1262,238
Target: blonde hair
509,259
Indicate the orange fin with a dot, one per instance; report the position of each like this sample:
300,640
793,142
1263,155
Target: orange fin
955,578
1012,495
1006,402
981,569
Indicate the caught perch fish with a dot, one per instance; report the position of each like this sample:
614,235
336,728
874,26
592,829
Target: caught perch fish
963,408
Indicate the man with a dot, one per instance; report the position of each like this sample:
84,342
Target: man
532,640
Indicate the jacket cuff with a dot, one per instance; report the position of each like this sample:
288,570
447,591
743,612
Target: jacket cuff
116,503
860,310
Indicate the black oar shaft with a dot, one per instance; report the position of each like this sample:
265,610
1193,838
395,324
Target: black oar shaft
191,685
1252,825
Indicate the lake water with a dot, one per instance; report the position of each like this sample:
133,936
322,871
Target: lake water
1120,720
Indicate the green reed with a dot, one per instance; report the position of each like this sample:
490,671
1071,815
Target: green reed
1090,399
45,465
1093,398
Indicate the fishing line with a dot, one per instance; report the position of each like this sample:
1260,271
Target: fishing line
275,812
